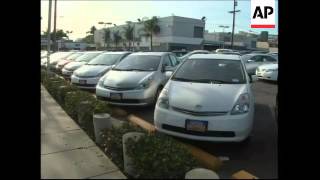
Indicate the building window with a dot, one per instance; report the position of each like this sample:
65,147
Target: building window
198,32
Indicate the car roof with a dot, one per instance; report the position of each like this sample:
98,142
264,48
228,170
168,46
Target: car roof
215,56
116,52
151,53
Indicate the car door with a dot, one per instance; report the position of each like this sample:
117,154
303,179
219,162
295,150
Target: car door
252,65
166,63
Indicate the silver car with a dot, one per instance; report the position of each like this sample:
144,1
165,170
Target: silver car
138,79
78,62
88,75
252,61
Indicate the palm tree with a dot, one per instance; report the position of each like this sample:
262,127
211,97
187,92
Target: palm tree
92,30
116,38
151,27
107,37
128,33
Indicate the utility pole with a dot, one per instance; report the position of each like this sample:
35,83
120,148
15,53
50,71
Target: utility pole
223,33
48,37
235,3
54,26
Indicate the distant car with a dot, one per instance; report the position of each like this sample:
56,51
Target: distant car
208,98
224,50
55,58
67,60
252,61
179,53
138,79
78,62
182,58
88,75
268,72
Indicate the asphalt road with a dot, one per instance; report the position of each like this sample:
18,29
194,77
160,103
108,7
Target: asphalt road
258,156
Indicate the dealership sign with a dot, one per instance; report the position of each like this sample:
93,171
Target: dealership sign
263,14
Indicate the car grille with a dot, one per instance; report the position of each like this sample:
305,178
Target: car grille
118,88
133,101
199,113
207,133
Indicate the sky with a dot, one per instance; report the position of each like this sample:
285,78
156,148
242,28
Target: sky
79,16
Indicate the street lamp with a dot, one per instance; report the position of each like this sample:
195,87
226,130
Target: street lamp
235,3
223,33
48,37
105,23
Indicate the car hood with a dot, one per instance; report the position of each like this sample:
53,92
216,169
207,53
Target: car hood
211,97
269,66
62,62
74,65
126,79
91,70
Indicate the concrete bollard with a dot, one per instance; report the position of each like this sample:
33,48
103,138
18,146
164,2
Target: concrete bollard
201,173
127,161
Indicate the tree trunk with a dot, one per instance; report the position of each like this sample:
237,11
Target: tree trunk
151,42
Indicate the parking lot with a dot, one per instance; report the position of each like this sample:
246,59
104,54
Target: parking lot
258,156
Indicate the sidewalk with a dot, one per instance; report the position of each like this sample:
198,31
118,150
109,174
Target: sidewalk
66,150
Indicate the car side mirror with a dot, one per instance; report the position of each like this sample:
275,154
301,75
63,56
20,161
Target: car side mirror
113,66
249,61
168,74
253,78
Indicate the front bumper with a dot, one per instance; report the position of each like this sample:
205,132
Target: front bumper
66,73
90,82
267,75
225,128
134,97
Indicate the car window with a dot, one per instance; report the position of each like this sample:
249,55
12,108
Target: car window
87,57
139,62
257,58
211,71
166,61
105,59
173,59
74,56
269,59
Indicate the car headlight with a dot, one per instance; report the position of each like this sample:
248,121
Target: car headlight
242,105
163,100
145,84
271,70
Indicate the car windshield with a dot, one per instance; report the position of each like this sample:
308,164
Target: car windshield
105,59
211,71
87,57
139,63
60,55
74,56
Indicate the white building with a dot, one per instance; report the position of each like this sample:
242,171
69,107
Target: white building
175,33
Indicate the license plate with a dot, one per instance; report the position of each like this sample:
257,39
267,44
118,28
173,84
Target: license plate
115,96
82,81
195,125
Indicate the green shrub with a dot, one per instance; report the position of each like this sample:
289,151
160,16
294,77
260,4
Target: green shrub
102,107
53,85
72,101
112,142
62,93
160,156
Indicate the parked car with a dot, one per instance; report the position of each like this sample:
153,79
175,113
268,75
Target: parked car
268,72
88,75
138,79
68,69
252,61
208,98
182,58
179,53
55,58
67,60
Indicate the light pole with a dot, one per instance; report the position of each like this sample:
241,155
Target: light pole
130,22
223,33
235,3
48,37
54,26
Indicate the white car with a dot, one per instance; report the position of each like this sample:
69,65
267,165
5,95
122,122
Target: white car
268,72
67,60
208,98
55,58
138,79
78,62
88,75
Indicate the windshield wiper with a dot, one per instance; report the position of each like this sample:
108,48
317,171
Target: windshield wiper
182,79
214,81
135,70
